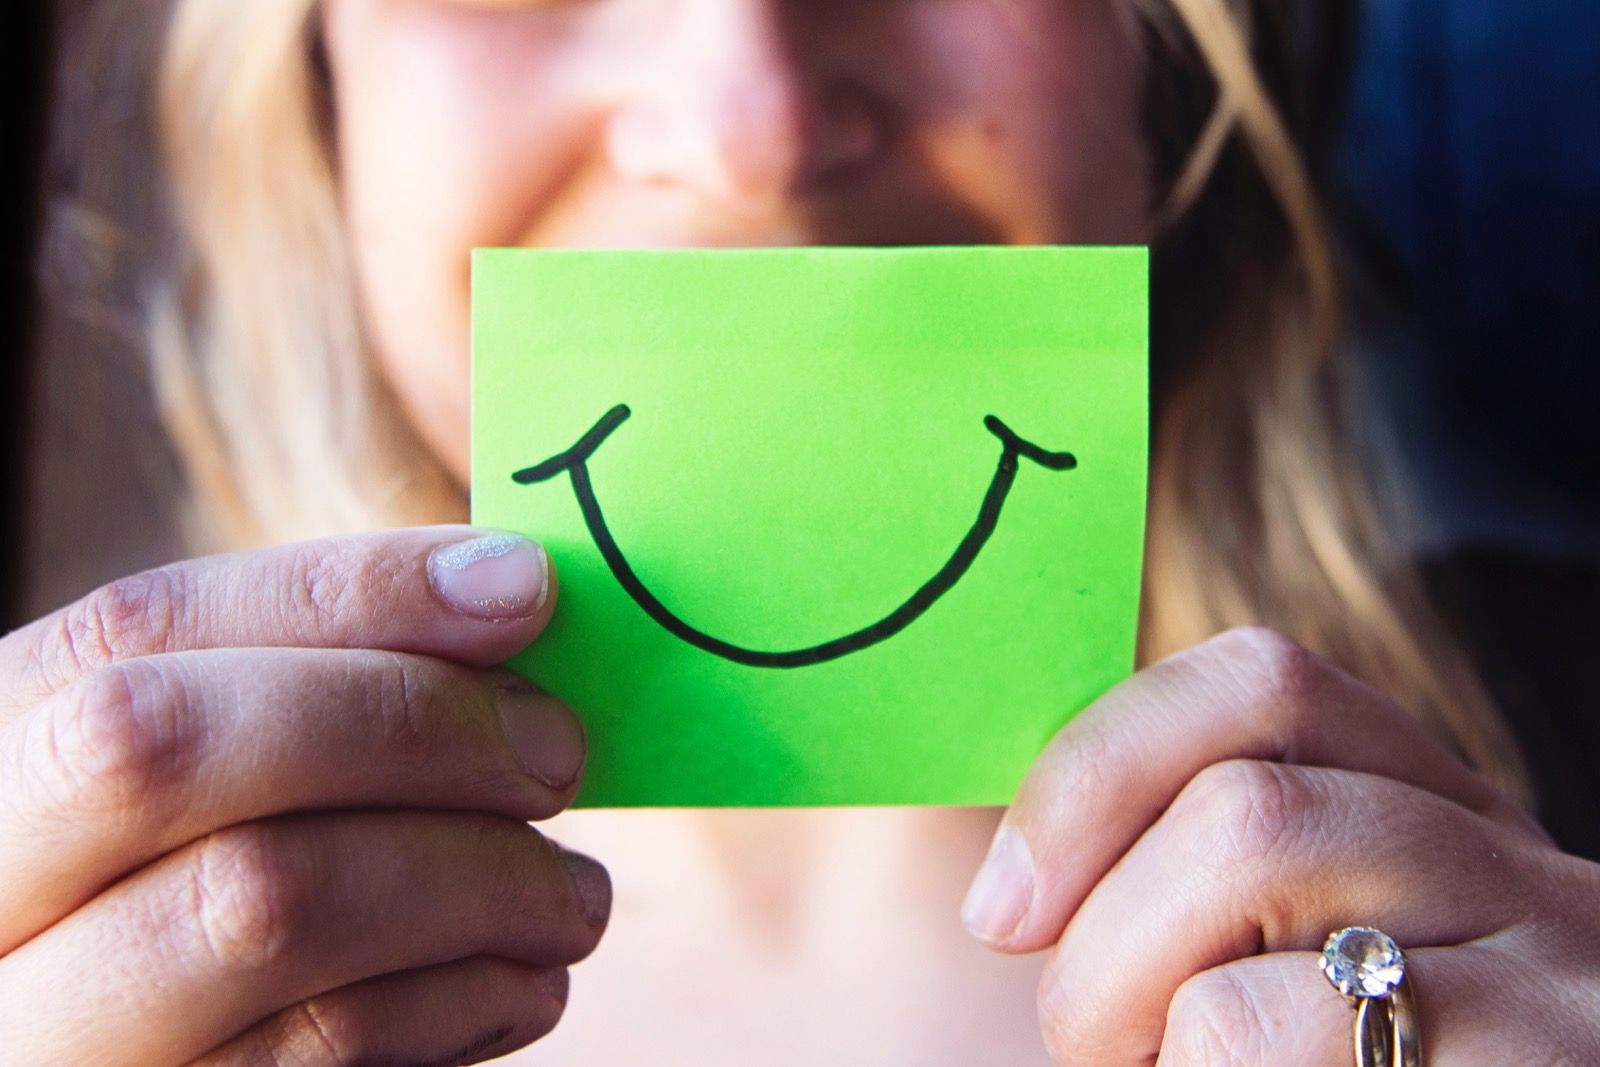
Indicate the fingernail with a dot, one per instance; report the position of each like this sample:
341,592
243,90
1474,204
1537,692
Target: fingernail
546,736
1002,891
593,885
501,576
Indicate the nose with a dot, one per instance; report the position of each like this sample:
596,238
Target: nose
731,110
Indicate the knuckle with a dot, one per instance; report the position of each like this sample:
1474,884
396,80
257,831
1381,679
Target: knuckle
1084,762
505,846
116,741
133,616
1086,758
1274,669
332,578
321,582
1242,813
315,1033
1078,1028
1213,1020
411,727
251,896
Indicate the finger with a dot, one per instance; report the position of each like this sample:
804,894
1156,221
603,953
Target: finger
142,757
1262,856
1247,694
187,953
1475,1003
1264,1011
463,1012
450,591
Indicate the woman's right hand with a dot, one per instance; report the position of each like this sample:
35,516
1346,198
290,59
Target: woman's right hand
271,808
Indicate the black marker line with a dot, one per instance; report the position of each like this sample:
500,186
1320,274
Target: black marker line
574,461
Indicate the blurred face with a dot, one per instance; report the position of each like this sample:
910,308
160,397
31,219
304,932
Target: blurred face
711,123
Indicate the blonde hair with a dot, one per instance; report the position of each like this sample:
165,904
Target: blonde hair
262,367
1260,511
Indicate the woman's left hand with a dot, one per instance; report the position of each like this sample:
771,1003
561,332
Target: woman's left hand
1188,842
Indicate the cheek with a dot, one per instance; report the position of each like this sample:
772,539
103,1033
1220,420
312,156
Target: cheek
448,136
1031,107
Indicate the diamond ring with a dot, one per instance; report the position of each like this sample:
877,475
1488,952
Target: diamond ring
1369,971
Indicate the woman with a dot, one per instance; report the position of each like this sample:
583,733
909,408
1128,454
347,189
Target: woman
270,807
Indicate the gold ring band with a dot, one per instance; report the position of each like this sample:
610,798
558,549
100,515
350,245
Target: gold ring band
1386,1032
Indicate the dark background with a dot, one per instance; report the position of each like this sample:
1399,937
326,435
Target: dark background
24,52
99,491
1473,144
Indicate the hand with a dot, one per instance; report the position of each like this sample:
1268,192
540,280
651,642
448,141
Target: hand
1188,842
272,808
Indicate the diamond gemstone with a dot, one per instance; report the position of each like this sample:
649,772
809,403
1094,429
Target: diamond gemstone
1362,962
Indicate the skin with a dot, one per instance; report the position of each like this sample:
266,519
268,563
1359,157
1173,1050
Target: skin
270,808
281,795
690,123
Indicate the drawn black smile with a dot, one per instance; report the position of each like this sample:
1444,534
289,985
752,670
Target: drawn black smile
574,461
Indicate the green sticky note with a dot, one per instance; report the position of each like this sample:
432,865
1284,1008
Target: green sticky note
833,526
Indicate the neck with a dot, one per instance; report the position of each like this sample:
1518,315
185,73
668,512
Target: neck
778,866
